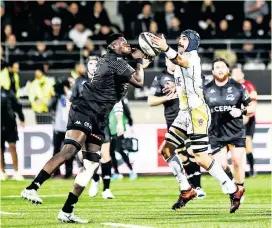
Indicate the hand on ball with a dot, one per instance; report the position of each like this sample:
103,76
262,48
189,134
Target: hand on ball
160,42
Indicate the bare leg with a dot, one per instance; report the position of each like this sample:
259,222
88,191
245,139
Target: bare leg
12,150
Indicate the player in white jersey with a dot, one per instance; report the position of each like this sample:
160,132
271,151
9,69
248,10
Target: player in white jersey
193,119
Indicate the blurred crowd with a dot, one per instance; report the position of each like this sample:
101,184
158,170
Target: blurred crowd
82,22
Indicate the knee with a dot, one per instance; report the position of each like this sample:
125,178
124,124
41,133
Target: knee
235,163
198,159
168,150
68,151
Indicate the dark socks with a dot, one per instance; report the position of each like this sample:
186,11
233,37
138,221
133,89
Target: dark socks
126,159
194,174
96,177
229,173
106,174
38,181
70,203
242,184
250,160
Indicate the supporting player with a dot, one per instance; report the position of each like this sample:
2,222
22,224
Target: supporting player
87,120
192,121
158,95
228,101
249,120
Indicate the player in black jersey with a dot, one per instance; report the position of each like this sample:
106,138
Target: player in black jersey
159,95
228,101
88,118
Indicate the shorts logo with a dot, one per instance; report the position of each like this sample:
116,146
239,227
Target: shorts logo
200,122
78,122
229,89
95,136
86,124
230,97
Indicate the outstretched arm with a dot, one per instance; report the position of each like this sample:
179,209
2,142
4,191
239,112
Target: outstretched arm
171,54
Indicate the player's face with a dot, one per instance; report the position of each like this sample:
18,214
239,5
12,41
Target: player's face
220,71
91,66
237,74
123,46
183,43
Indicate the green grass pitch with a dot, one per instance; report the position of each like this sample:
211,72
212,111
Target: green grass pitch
144,202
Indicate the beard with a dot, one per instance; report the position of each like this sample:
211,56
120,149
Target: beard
217,78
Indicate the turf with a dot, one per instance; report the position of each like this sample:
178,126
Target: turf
144,202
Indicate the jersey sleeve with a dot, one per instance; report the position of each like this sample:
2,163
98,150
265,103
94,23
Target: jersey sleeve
155,88
245,98
121,69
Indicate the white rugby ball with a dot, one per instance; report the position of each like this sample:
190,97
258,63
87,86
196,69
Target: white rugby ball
146,44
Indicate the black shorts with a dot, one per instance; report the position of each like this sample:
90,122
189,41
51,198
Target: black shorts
9,134
82,118
250,126
107,138
216,146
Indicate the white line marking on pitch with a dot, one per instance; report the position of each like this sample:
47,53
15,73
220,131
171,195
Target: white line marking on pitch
125,225
18,196
9,213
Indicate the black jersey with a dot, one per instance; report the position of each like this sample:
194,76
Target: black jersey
78,88
108,85
221,99
171,107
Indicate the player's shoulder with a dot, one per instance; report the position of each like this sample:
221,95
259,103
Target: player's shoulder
209,84
113,57
236,84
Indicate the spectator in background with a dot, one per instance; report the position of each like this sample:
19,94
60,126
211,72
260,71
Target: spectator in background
10,79
40,55
143,21
7,33
104,32
39,93
164,19
247,32
207,19
90,50
223,31
158,6
153,28
98,17
74,15
15,53
174,31
79,34
56,34
256,10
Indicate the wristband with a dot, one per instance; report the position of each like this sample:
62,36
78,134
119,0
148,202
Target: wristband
244,111
139,60
170,53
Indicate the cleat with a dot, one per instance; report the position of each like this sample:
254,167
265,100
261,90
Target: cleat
107,194
133,175
184,197
32,196
116,176
93,188
70,218
235,199
200,193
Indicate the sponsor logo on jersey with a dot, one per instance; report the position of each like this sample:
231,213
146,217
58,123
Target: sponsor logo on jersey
230,97
86,124
229,89
178,81
78,122
222,108
200,122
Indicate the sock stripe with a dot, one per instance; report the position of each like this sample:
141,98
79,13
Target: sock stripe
211,165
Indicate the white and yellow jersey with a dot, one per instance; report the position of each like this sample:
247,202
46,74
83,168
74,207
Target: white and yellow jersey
189,82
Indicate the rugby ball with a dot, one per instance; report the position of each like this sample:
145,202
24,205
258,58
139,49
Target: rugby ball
146,44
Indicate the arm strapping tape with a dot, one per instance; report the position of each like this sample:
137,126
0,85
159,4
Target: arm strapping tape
171,53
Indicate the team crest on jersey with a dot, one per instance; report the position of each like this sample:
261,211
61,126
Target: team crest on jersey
229,90
230,97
